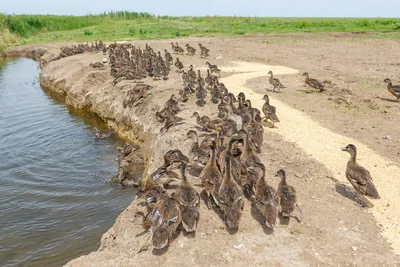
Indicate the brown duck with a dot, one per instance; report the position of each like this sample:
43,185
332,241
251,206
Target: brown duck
267,200
269,111
393,89
189,201
359,177
314,83
287,195
230,195
275,82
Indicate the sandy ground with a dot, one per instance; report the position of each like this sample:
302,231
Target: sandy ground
335,230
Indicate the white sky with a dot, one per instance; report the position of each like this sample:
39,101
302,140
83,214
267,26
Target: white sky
266,8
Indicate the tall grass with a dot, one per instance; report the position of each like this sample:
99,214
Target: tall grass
125,24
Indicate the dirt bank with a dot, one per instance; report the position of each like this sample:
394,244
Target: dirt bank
335,231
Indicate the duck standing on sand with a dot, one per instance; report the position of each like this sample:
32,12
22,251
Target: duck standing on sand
359,177
314,83
189,201
393,89
275,82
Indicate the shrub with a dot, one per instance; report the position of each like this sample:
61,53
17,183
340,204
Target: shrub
87,32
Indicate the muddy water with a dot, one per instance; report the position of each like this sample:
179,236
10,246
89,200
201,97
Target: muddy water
55,199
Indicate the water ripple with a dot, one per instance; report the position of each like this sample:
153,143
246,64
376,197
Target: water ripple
54,201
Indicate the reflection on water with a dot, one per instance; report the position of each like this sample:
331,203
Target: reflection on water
55,202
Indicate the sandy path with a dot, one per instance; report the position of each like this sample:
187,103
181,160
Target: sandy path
324,145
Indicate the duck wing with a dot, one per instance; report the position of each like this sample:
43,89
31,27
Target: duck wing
361,180
315,83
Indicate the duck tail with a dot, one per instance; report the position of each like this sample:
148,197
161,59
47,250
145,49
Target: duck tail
372,192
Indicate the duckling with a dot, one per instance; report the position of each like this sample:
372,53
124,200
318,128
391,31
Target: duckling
192,74
200,79
230,196
164,176
287,195
195,150
204,51
199,120
185,78
168,57
393,89
170,121
267,200
275,82
210,176
314,83
255,130
209,80
190,50
213,68
269,111
103,135
164,114
173,104
189,201
179,65
201,95
166,219
178,49
184,96
359,177
248,157
236,166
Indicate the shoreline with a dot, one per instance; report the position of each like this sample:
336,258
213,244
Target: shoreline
106,101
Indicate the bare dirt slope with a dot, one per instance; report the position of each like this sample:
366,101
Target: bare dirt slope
335,231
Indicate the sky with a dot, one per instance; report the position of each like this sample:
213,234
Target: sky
260,8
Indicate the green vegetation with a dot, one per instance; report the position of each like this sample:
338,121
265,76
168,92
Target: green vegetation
133,25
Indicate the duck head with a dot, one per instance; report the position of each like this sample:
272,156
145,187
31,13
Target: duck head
305,74
266,98
387,80
270,72
281,173
350,148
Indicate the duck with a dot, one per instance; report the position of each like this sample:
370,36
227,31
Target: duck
103,135
255,130
190,50
213,68
393,89
209,80
359,177
269,111
203,51
178,64
200,80
192,74
232,116
168,56
275,82
287,195
170,121
179,49
314,83
195,151
164,114
230,195
163,175
201,95
211,177
184,96
166,219
236,166
267,200
189,200
173,104
247,157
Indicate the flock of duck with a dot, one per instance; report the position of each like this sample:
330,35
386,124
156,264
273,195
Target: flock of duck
226,160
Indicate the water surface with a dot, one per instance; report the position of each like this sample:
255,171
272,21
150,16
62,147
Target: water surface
55,199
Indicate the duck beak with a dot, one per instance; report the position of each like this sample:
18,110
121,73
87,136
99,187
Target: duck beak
344,149
276,175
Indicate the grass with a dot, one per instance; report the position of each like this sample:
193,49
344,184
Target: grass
133,25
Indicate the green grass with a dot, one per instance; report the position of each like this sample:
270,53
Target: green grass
132,25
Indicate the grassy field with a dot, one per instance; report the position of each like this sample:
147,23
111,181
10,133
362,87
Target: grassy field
24,29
